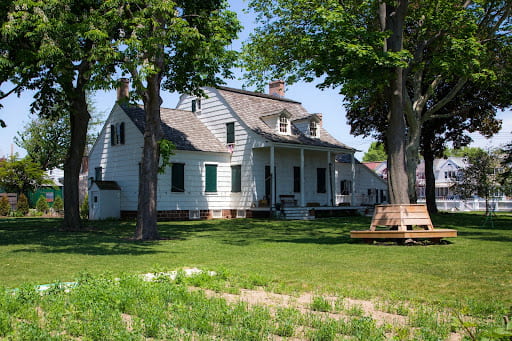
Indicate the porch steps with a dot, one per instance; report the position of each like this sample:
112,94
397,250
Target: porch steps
297,213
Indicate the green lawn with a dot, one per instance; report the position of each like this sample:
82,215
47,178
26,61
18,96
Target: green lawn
474,270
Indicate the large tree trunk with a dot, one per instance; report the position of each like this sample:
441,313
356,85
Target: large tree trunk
79,121
146,228
430,179
396,131
412,157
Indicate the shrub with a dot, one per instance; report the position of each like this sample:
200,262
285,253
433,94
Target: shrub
5,207
58,204
22,205
42,205
84,208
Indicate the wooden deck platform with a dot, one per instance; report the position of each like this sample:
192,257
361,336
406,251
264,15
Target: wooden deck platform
400,221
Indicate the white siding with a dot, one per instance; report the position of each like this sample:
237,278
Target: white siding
194,197
215,114
120,163
365,179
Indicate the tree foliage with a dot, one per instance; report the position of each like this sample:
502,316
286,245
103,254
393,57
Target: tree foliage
22,205
61,49
5,206
21,176
42,205
397,64
47,139
173,45
480,177
376,152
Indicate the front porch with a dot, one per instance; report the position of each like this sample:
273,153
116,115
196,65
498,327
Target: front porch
299,176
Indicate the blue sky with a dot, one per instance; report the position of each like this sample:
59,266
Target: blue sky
328,102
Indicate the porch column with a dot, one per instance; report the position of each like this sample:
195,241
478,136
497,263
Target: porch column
273,176
328,180
353,171
302,181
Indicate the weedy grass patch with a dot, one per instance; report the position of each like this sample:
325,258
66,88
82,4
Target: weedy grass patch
470,275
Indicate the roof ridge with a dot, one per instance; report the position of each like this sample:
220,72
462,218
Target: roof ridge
257,94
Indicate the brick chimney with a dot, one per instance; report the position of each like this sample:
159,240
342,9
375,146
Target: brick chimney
276,88
123,91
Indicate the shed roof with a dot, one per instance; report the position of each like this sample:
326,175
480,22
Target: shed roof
108,185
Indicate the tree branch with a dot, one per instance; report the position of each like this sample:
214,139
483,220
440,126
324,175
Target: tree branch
6,94
453,92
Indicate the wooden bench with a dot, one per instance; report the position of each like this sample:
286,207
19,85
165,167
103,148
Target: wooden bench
402,222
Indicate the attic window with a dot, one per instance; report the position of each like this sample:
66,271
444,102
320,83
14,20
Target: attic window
313,129
196,105
117,133
284,124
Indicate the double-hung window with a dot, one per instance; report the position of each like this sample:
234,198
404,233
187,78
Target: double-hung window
236,178
178,177
230,132
296,179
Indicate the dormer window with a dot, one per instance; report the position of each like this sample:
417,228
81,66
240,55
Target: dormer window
313,129
284,124
196,105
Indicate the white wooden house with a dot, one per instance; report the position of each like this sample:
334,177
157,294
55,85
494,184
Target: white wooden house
238,154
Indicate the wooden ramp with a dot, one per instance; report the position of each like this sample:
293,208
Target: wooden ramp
402,222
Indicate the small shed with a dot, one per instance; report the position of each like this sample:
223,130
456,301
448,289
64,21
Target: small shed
105,200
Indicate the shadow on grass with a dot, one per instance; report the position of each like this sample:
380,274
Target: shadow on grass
44,235
113,237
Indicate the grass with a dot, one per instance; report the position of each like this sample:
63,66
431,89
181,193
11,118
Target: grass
472,273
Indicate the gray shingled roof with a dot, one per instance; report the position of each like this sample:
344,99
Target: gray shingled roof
251,106
181,127
107,185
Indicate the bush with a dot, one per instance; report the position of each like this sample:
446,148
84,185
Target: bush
42,205
84,208
5,207
22,205
58,204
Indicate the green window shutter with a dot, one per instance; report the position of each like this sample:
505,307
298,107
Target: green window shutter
230,132
211,178
236,178
178,177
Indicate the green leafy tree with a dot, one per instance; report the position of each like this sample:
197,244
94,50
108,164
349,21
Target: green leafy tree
22,206
469,152
58,204
5,206
391,59
21,176
480,177
376,152
505,178
47,140
177,46
42,205
61,49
